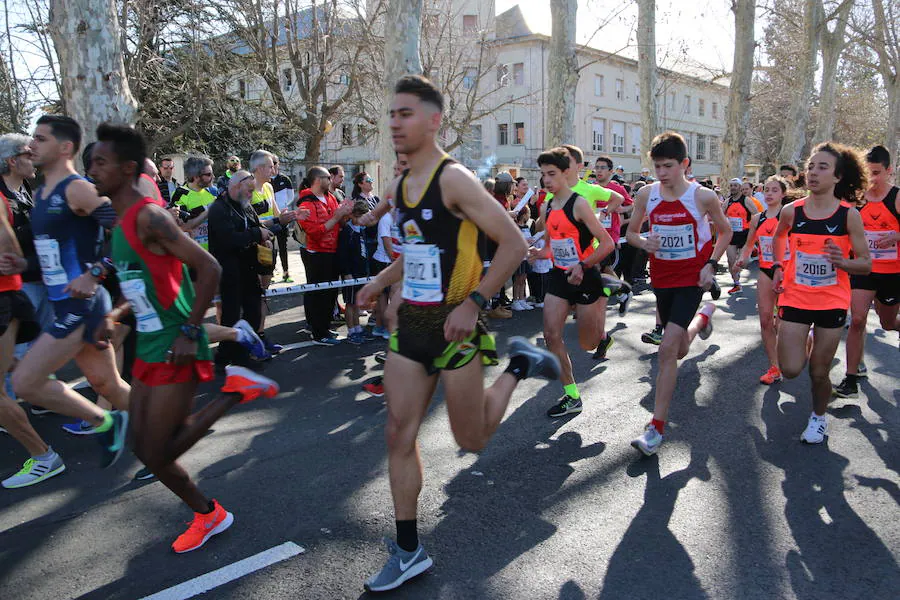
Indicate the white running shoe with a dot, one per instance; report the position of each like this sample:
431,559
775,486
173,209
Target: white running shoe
708,309
816,430
649,441
518,305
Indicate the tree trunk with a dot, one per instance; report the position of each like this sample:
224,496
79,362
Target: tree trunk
87,38
885,46
833,44
738,116
646,39
797,118
403,25
562,74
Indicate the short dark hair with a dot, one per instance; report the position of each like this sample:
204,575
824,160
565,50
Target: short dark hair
64,129
605,159
422,88
127,143
575,151
167,158
315,173
519,180
879,155
556,157
668,145
335,170
690,162
87,157
787,167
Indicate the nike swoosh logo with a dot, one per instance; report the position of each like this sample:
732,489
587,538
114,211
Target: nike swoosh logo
405,565
801,223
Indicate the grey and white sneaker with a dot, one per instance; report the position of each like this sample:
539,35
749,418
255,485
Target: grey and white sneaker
862,371
649,441
401,567
708,309
625,301
35,471
541,362
816,430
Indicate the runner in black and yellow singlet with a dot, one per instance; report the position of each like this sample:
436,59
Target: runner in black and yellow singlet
440,207
172,352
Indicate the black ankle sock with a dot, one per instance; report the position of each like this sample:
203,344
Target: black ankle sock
407,535
518,367
852,377
212,507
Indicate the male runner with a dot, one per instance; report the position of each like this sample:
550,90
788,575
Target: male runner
151,256
571,228
739,209
682,265
613,218
440,207
881,221
814,286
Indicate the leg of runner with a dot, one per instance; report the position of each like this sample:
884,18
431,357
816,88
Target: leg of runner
791,337
860,301
556,310
586,333
888,315
732,253
765,299
825,345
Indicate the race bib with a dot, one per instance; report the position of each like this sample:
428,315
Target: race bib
146,316
605,219
565,254
737,223
766,248
889,253
201,233
422,273
676,242
51,267
814,270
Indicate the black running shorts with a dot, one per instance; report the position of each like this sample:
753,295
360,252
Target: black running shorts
678,305
832,318
885,285
15,304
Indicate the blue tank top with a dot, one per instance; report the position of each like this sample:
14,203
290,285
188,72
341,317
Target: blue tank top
66,243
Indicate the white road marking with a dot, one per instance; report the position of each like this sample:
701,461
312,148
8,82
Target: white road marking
213,579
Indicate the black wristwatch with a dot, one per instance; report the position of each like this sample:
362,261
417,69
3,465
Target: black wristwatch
191,332
712,262
478,299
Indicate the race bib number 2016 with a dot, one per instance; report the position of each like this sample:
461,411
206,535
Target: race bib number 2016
814,270
422,273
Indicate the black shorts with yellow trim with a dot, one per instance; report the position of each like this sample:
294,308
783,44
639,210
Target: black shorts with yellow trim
885,285
420,337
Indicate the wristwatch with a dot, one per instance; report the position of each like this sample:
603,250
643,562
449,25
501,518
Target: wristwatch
191,332
778,265
478,299
97,272
713,263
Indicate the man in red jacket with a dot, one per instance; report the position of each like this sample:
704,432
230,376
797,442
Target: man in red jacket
320,255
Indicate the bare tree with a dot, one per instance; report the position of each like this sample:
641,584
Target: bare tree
797,118
563,73
833,44
885,41
646,36
738,115
88,44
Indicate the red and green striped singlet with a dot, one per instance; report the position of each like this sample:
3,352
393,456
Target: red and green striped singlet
159,291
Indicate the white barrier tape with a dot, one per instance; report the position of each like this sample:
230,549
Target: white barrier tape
312,287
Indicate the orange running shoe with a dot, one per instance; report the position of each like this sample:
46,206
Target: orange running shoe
247,383
202,528
773,375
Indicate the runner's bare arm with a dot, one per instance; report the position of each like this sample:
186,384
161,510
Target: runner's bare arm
584,214
82,197
383,206
9,244
155,226
196,221
780,238
615,202
861,263
748,246
639,211
369,293
710,205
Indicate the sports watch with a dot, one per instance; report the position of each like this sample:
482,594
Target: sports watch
97,272
191,332
478,299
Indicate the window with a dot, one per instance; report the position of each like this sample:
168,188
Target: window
671,101
701,107
347,135
598,85
242,89
288,76
470,23
635,139
519,74
361,135
502,75
472,143
689,142
620,89
715,110
701,146
519,131
344,80
687,104
598,142
713,148
637,93
470,79
618,137
502,134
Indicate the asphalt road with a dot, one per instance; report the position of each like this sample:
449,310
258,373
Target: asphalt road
734,506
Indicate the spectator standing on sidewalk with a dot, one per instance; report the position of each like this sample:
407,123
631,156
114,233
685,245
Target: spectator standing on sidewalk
284,200
233,165
336,185
165,181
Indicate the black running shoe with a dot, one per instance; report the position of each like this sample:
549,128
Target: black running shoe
144,474
715,290
567,406
381,357
625,302
846,389
605,343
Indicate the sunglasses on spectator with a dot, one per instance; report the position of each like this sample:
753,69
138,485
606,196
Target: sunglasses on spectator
368,180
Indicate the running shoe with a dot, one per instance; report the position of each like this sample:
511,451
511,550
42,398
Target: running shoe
648,443
35,471
654,336
356,338
272,348
773,375
815,430
501,312
539,305
708,309
3,430
401,566
249,384
249,339
861,371
79,428
846,388
381,332
519,305
38,410
381,357
113,439
327,341
734,290
287,279
603,347
144,474
567,406
202,528
375,388
625,302
541,362
715,290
